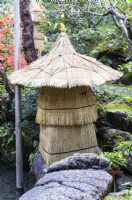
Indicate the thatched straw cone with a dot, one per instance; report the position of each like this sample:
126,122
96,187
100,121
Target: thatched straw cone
63,67
66,105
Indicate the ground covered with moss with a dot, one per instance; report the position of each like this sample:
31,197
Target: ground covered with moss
117,198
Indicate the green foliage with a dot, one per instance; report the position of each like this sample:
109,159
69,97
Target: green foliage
109,93
127,194
104,94
7,137
119,155
28,113
119,138
129,117
124,148
89,34
127,67
30,129
128,191
29,109
114,97
101,108
117,198
116,159
2,88
117,105
6,6
31,158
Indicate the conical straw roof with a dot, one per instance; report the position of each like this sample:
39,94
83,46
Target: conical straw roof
64,67
36,10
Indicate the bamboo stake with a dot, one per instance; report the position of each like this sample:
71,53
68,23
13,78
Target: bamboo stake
19,160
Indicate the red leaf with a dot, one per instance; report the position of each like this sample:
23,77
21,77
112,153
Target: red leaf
118,171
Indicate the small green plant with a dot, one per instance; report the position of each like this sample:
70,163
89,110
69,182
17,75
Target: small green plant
129,117
7,135
100,107
124,148
117,160
127,67
31,158
121,152
128,191
109,93
119,138
7,139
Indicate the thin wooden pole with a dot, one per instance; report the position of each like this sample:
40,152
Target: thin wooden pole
19,160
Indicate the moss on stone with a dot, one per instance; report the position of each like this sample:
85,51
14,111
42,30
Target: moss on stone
116,105
117,198
128,75
127,78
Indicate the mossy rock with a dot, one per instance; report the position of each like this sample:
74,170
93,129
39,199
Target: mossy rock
117,198
127,78
116,105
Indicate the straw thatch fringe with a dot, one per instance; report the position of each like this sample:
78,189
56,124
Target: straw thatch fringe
81,116
63,67
74,106
57,142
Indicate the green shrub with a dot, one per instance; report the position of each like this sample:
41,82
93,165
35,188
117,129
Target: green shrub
117,160
32,156
127,67
28,112
124,148
7,138
29,109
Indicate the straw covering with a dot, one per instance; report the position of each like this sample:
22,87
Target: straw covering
58,142
36,10
64,67
66,118
75,106
66,105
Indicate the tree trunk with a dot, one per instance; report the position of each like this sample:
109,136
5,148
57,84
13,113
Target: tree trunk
27,31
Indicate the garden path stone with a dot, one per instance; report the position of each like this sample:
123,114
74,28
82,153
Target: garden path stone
80,177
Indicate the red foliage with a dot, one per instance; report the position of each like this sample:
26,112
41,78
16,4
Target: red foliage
7,43
118,171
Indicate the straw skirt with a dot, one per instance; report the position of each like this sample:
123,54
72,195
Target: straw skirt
75,106
58,142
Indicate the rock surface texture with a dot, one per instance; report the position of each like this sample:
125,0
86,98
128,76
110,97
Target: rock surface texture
80,177
119,120
39,167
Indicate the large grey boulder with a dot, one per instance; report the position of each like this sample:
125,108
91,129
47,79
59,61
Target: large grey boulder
119,120
81,161
111,136
80,177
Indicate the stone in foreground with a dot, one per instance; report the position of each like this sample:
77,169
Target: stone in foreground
86,181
